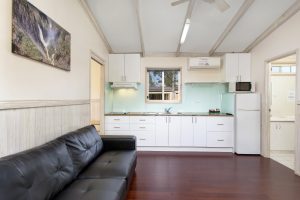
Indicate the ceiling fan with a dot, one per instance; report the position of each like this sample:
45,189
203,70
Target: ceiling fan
221,5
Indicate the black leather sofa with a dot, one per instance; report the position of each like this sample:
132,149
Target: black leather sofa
79,165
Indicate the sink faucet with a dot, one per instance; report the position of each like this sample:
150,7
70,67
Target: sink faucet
168,110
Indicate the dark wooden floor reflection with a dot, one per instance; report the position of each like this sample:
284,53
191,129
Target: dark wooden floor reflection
211,176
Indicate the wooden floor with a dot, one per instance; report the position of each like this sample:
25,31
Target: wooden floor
211,176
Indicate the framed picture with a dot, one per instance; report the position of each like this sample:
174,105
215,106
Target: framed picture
38,37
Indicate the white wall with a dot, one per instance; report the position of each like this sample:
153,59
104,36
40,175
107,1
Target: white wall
284,39
24,79
208,75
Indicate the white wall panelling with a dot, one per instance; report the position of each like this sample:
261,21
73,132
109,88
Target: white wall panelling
25,128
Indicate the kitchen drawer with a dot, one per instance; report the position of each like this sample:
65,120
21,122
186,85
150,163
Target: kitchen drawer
144,138
142,127
220,140
220,124
118,133
117,127
142,119
117,119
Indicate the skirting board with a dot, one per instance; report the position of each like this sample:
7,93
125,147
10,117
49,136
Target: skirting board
185,149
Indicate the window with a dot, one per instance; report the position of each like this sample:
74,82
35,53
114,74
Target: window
285,69
163,85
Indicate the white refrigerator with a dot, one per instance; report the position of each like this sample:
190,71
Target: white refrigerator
248,123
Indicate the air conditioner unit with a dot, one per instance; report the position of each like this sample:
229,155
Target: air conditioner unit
204,63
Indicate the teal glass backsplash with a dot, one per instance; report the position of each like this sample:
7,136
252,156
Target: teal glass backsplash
196,97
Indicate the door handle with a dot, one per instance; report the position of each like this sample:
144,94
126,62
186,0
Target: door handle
221,140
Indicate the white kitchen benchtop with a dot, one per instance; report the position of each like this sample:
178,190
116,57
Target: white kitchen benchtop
168,114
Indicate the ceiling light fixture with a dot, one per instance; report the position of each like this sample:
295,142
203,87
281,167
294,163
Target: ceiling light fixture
185,30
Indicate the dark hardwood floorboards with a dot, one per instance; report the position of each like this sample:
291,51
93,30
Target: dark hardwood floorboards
211,176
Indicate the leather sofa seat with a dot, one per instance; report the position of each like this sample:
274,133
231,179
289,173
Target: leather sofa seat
118,164
94,189
36,174
84,146
80,165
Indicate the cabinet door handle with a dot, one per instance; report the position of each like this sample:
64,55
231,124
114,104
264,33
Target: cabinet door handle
142,127
116,126
142,139
166,120
221,140
124,78
142,120
192,120
169,120
117,119
220,124
196,120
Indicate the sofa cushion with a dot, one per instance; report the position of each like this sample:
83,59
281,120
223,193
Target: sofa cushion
111,164
94,189
84,146
39,173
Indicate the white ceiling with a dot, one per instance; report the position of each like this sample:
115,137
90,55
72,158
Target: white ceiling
161,25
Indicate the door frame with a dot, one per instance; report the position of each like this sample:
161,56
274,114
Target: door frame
267,137
102,62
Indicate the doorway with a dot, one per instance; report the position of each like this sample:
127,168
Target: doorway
96,94
282,107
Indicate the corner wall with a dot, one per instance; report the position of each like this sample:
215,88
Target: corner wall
285,39
38,102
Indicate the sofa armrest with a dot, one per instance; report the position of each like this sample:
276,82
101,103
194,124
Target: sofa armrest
118,142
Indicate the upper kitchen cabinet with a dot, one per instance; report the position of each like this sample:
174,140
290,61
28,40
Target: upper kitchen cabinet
237,67
124,68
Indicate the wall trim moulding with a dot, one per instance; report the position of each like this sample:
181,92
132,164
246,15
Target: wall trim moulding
8,105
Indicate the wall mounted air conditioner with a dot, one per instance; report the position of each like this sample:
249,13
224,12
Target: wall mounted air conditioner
124,85
204,63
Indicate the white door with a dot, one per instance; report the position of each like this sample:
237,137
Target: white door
231,67
248,132
116,67
132,68
174,130
161,131
200,131
244,67
187,131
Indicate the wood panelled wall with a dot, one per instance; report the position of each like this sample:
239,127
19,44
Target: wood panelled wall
24,125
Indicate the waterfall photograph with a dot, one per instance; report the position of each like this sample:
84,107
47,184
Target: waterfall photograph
38,37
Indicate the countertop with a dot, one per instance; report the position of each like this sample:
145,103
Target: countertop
168,114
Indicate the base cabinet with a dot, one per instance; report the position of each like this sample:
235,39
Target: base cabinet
174,131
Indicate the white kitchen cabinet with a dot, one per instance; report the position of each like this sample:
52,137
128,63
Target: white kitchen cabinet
193,131
143,128
200,131
220,132
283,136
161,131
174,130
124,68
237,67
187,131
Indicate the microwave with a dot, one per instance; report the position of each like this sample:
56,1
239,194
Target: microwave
246,87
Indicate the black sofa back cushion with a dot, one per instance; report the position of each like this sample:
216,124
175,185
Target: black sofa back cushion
38,173
84,146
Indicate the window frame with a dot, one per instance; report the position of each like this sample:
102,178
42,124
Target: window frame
163,86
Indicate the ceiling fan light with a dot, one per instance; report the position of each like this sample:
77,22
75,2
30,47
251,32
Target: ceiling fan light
185,31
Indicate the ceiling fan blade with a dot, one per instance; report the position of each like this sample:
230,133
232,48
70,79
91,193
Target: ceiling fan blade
175,3
222,5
